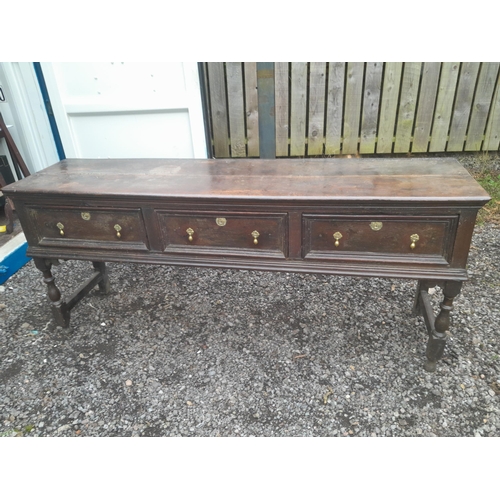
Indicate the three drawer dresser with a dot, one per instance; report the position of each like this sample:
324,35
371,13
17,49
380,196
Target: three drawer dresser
374,217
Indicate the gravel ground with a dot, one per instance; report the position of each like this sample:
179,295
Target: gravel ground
175,351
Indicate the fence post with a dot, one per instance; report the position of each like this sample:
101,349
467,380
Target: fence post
267,120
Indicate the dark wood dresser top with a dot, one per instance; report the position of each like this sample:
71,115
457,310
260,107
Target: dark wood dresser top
395,179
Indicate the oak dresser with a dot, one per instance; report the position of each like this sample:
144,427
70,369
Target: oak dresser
400,218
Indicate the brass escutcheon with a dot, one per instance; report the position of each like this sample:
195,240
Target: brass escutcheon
414,238
376,226
337,237
118,228
190,232
85,216
255,235
221,221
60,227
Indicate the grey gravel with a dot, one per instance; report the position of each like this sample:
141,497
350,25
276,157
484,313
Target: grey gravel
177,351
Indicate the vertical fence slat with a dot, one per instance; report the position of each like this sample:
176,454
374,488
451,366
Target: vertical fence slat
315,133
425,107
492,136
298,109
371,101
444,105
281,78
407,106
463,105
334,107
252,108
217,87
482,100
388,106
234,75
352,112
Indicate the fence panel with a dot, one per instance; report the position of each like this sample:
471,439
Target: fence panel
426,106
339,108
218,109
281,99
298,109
315,132
407,106
252,108
352,111
236,109
485,87
389,107
463,105
371,102
334,108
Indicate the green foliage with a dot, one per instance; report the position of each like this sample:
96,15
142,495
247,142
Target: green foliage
490,180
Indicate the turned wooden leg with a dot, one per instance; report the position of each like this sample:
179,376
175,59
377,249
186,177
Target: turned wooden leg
59,307
437,337
104,285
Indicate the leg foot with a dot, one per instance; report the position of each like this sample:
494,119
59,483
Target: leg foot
59,307
104,285
437,332
430,366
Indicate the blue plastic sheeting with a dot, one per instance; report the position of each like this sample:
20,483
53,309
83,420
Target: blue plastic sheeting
12,262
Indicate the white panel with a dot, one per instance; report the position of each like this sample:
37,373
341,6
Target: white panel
141,135
121,110
115,81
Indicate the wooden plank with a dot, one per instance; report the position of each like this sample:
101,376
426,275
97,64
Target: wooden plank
252,108
388,106
407,106
444,106
371,102
425,107
334,107
317,83
281,80
463,105
218,108
352,111
267,127
492,136
298,108
236,111
482,101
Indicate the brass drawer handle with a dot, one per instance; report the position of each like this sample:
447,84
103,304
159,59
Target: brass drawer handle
414,238
255,235
190,232
60,227
118,228
337,237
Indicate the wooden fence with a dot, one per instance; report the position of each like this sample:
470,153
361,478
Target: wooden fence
356,108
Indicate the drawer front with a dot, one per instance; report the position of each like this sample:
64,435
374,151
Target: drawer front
224,233
108,229
373,238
